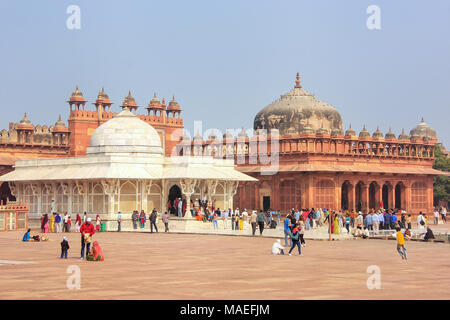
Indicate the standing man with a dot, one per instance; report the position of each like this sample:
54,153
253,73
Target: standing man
180,207
444,214
261,219
135,219
369,221
287,231
165,219
87,230
119,221
253,219
66,219
375,221
225,219
436,216
153,217
58,222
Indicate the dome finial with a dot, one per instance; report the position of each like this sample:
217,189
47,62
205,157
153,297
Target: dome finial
297,81
423,120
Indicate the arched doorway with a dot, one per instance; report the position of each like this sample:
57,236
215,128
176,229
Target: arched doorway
344,195
398,195
174,193
5,193
385,197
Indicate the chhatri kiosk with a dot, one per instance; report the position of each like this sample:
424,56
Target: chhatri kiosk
125,169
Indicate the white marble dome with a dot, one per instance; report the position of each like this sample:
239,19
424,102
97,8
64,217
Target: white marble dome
125,134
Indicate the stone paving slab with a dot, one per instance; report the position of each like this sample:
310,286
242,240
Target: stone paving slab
187,266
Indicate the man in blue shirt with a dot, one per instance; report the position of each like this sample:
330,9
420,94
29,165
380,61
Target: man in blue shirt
297,215
287,231
369,222
393,220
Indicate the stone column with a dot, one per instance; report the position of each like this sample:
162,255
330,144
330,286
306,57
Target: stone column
232,189
351,196
188,188
365,197
111,189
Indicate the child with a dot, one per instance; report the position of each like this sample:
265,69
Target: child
64,248
401,243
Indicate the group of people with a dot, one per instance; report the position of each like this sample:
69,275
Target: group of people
87,230
63,223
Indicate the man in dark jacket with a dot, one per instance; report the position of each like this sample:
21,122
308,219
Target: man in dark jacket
135,219
153,216
261,219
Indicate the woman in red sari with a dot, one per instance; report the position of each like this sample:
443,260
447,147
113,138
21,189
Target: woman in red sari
142,218
78,223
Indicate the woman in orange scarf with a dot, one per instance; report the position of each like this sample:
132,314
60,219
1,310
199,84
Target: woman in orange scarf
96,253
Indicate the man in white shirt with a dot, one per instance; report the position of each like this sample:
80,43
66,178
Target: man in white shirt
245,215
444,214
436,216
420,218
277,248
225,218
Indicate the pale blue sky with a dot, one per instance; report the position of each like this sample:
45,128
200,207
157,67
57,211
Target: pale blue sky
226,60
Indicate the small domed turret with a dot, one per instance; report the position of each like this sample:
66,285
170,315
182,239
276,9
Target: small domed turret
364,133
350,132
390,135
378,134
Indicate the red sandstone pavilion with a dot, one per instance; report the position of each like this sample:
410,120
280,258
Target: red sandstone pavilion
319,165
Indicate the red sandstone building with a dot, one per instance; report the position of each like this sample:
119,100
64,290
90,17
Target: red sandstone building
321,166
26,141
318,164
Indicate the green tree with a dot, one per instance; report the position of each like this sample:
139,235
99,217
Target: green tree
441,183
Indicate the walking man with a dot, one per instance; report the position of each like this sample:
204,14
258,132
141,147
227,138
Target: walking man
261,219
253,219
401,244
165,219
119,221
153,217
295,241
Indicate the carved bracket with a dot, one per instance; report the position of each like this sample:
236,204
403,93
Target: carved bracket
81,187
35,188
111,186
188,186
13,188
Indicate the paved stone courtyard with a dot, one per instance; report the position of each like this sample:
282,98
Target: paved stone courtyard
188,266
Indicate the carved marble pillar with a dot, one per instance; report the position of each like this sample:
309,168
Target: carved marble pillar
111,188
188,188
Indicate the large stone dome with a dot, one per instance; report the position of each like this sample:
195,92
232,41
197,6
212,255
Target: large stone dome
125,134
423,130
297,110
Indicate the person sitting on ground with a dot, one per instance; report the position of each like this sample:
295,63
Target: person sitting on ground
277,248
407,234
365,233
429,234
27,236
96,253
